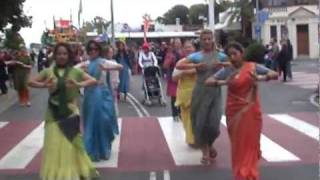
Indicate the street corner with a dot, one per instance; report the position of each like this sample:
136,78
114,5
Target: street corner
314,100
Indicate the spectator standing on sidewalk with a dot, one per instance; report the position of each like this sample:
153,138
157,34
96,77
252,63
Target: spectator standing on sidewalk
3,74
283,59
290,58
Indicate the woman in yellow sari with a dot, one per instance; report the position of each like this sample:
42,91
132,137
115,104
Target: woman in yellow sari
186,81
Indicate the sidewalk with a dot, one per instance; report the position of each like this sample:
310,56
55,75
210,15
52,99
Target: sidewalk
8,100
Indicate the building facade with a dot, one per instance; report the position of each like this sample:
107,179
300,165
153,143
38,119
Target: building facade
296,20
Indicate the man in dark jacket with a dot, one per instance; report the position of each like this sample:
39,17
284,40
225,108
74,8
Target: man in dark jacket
290,53
283,59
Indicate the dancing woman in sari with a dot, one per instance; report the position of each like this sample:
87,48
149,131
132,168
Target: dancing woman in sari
243,112
21,72
64,155
206,103
100,120
186,80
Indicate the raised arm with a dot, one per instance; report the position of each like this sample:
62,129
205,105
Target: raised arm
177,74
185,64
40,81
221,77
265,74
213,81
111,66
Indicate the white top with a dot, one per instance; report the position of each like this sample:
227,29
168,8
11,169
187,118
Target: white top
114,74
146,60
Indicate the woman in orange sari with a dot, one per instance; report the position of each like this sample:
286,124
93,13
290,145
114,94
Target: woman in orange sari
243,112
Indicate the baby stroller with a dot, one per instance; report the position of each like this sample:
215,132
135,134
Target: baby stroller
152,86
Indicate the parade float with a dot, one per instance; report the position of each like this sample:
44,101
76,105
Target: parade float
63,31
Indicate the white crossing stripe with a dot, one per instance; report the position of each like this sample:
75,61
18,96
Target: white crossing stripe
113,161
299,125
304,80
3,124
22,154
271,151
175,137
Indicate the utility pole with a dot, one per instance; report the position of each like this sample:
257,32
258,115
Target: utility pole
258,25
211,15
112,23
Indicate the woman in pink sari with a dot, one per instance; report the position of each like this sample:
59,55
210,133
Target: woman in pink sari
243,112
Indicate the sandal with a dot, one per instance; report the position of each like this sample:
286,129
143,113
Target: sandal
213,153
206,160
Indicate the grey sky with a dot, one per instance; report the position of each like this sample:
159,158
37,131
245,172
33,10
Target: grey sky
129,11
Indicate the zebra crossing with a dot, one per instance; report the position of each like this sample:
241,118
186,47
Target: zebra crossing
304,80
156,143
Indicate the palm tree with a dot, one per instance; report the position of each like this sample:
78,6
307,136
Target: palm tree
243,10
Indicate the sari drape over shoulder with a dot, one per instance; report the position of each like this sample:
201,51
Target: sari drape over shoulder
244,123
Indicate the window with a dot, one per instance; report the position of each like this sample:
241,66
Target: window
273,32
274,3
301,2
284,31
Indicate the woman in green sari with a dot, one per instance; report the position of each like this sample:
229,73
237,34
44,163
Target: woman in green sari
64,156
21,71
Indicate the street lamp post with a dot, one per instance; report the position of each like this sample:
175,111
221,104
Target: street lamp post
258,25
211,14
112,23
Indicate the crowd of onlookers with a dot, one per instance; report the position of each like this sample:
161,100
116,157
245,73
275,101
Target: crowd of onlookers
279,57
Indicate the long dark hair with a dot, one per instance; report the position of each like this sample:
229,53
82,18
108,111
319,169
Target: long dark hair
69,50
124,51
96,44
236,46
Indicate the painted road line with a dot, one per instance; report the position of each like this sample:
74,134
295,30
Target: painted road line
21,155
175,137
153,175
166,175
3,124
146,113
271,151
313,100
114,158
135,107
299,125
310,86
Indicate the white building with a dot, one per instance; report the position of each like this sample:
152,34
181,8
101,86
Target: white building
298,23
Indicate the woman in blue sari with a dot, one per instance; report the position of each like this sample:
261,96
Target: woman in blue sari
100,122
122,58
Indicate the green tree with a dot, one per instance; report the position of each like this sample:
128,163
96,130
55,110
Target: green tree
86,27
11,12
202,10
243,11
196,11
178,11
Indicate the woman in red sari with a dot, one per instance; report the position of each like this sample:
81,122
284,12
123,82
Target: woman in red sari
243,112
